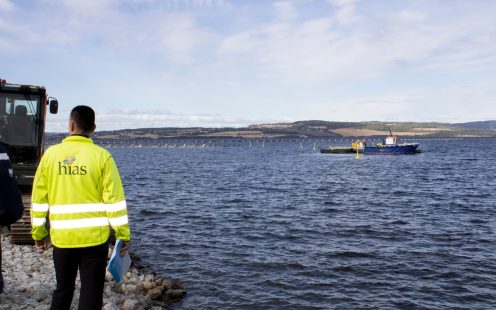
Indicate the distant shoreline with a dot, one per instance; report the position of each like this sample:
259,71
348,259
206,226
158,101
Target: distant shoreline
308,129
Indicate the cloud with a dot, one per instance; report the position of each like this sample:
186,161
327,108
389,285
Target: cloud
60,24
290,48
285,10
183,4
86,16
326,49
242,43
408,16
246,58
6,5
104,28
470,101
345,13
130,118
180,39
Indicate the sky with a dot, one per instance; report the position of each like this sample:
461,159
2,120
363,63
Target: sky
232,63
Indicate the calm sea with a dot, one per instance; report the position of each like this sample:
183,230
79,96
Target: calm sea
277,225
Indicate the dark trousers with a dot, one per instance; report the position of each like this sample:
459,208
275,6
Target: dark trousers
91,263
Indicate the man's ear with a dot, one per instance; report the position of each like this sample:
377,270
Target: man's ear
72,126
94,127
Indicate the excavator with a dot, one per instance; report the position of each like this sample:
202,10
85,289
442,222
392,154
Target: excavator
23,110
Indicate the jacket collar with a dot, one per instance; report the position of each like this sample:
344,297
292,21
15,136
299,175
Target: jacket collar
76,138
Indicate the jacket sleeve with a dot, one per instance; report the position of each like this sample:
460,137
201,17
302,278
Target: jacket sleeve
115,201
11,207
39,204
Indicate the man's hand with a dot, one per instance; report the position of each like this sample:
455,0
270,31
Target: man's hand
41,244
125,247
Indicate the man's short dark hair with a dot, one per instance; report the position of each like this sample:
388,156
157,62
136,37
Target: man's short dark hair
84,117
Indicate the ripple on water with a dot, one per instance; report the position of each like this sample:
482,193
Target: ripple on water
283,228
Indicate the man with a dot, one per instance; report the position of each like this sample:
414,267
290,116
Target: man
77,183
11,207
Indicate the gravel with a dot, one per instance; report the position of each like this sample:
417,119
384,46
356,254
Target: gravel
30,279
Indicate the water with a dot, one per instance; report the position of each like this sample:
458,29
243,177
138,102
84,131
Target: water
280,227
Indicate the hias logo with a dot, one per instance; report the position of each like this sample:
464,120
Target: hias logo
66,167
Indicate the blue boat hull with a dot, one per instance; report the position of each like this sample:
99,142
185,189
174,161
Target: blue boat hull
391,149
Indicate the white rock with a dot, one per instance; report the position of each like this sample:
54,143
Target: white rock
167,283
108,277
148,285
129,288
30,280
154,293
149,277
130,304
110,306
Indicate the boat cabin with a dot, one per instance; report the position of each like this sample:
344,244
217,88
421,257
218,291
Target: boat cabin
391,140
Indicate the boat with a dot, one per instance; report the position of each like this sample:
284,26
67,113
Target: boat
337,150
358,145
391,146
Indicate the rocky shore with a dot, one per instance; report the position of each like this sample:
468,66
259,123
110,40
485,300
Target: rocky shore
30,279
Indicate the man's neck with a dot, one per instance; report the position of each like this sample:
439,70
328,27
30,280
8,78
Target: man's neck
80,134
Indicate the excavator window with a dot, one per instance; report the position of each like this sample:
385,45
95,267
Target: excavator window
18,126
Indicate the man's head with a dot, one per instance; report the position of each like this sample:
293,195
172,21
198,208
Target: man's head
82,120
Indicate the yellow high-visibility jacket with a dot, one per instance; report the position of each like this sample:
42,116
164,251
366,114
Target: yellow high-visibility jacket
78,186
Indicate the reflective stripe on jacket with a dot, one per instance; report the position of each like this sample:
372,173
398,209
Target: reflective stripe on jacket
78,185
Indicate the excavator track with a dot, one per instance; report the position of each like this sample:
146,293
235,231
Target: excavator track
20,232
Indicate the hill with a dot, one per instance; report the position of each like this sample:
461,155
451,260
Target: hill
312,129
486,125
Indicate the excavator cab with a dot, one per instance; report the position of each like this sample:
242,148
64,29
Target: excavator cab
22,125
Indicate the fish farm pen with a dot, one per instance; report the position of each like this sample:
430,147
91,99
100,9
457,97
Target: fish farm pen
303,143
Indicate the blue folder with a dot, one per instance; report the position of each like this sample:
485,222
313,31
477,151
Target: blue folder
118,265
